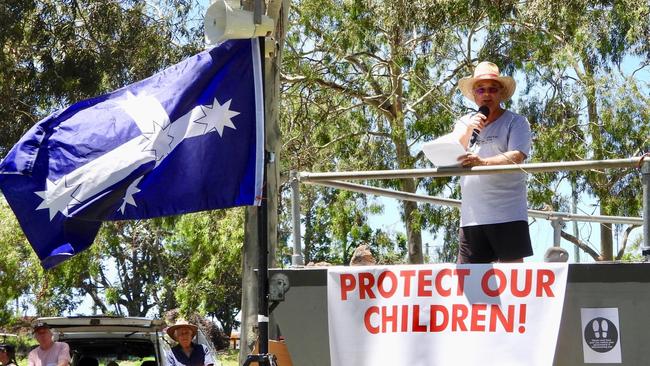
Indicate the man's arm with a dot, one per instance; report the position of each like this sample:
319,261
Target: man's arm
30,358
64,355
508,157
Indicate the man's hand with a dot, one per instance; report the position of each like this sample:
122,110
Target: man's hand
470,160
509,157
477,122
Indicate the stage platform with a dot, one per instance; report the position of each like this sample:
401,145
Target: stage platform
302,316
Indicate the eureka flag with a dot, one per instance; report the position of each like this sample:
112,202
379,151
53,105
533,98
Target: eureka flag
187,139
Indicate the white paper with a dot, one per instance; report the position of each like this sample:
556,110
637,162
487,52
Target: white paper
444,151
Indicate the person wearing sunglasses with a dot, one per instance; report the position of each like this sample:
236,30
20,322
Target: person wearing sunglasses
7,355
494,207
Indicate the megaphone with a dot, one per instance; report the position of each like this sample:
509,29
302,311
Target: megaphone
224,20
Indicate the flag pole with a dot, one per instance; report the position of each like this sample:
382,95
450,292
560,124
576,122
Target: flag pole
263,357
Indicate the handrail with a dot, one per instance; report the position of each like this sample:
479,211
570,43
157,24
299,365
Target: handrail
541,214
477,170
333,179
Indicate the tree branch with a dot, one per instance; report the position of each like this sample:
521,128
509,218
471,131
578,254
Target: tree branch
376,101
92,291
626,236
582,245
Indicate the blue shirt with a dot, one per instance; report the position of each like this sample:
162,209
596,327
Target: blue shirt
201,356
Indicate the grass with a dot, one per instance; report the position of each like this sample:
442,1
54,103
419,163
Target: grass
229,357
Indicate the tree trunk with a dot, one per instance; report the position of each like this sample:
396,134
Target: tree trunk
404,158
600,184
411,213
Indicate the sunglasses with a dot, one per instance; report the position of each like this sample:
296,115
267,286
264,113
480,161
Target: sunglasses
491,90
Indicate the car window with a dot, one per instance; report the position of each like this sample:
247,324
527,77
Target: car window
112,352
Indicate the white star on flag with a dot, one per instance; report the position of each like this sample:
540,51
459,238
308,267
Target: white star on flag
56,197
215,117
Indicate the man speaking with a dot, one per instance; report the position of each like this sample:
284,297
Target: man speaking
494,209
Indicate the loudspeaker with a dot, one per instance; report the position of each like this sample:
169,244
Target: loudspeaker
224,20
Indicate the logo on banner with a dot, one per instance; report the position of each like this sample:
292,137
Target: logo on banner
601,335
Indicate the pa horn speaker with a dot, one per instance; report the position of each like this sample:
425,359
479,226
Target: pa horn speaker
224,20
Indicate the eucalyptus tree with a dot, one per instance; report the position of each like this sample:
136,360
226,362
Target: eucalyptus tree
380,76
131,273
584,103
55,53
24,282
206,254
369,81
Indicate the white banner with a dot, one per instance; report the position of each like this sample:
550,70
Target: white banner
445,314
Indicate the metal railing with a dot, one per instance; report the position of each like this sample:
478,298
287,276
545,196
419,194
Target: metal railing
333,180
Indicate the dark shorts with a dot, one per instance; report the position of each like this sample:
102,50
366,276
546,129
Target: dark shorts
494,242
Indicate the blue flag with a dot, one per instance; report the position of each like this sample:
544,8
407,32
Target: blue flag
187,139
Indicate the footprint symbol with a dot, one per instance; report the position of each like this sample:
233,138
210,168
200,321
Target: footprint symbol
596,327
603,327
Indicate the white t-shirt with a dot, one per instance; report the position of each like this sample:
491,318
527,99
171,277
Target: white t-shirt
496,198
58,353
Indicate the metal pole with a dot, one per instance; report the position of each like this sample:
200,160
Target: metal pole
546,215
258,9
574,210
262,358
557,231
296,258
645,178
477,170
263,255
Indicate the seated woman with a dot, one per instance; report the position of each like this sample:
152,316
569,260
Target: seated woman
186,352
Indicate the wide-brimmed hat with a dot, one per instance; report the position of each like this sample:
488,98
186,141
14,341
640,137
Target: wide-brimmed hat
486,71
182,323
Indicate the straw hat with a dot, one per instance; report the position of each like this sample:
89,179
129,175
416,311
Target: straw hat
486,71
181,323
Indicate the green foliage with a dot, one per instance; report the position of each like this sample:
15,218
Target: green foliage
209,246
14,276
367,82
52,292
56,53
336,224
134,251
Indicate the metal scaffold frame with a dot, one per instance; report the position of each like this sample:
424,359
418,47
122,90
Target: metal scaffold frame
336,180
